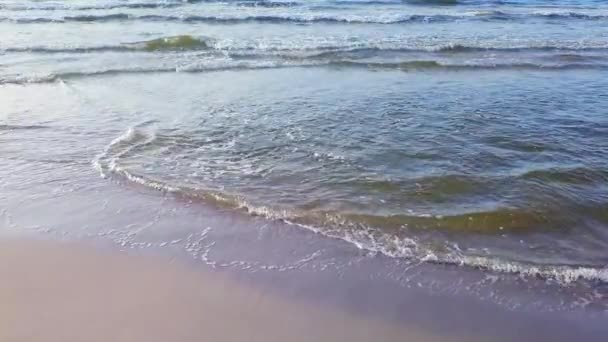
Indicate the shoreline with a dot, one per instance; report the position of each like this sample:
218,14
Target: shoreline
77,290
58,291
289,263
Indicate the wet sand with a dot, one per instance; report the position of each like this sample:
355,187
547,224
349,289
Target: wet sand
53,291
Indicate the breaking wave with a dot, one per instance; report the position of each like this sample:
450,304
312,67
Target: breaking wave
273,64
378,234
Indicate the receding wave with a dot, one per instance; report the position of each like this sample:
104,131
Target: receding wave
380,234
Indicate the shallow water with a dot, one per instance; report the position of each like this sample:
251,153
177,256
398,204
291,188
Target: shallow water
471,133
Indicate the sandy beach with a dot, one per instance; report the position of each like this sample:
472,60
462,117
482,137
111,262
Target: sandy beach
53,291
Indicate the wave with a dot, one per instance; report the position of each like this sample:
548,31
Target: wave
35,49
143,5
183,42
268,4
560,15
302,19
461,48
457,48
91,18
77,18
378,234
4,127
108,6
565,51
21,80
574,176
489,222
187,42
565,15
432,64
274,64
313,18
276,19
174,43
239,3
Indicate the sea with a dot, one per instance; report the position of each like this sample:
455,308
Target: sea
469,136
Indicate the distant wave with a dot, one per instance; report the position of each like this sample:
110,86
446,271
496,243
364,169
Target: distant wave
373,233
268,4
20,127
141,5
68,6
28,79
187,42
238,3
337,5
312,18
278,19
35,49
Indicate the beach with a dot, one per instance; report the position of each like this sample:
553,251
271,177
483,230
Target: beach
109,284
66,292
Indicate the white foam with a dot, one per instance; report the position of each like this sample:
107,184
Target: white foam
109,157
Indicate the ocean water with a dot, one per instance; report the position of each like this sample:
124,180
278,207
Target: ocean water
470,133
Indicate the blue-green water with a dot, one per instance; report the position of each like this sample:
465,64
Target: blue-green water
460,132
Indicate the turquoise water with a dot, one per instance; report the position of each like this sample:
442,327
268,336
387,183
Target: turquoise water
460,132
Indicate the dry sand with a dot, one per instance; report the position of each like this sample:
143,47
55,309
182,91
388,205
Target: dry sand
51,291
